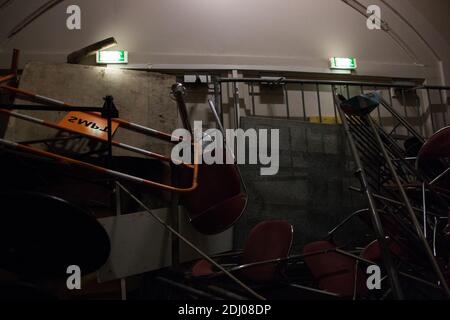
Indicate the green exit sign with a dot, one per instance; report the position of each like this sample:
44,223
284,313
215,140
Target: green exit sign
112,57
343,63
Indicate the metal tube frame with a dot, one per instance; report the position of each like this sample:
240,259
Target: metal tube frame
376,221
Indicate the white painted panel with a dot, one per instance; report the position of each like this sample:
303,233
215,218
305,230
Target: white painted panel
140,244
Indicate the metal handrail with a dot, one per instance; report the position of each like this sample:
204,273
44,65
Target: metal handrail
282,81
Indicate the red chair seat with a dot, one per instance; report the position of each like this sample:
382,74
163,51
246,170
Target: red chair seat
334,272
202,268
221,216
217,203
373,251
269,240
436,149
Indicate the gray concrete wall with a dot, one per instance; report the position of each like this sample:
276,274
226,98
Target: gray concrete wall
310,190
141,97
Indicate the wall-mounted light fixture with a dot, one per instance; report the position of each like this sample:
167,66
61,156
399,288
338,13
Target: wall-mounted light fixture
78,56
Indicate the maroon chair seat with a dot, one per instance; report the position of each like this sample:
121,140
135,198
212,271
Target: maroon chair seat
373,251
202,268
217,203
269,240
333,271
432,155
220,217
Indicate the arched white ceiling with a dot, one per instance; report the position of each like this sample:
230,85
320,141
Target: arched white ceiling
292,33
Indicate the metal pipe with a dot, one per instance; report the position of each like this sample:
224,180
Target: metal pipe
404,103
378,110
303,101
444,114
127,124
7,78
101,170
376,221
114,143
319,102
286,94
401,120
377,196
252,93
328,82
28,107
222,130
217,94
193,291
237,106
433,126
413,217
419,114
226,293
190,244
424,203
334,92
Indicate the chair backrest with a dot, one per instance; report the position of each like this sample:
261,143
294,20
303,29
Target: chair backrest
373,251
267,241
334,272
221,216
217,203
432,154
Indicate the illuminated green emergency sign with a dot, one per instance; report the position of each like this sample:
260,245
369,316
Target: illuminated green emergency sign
112,57
343,63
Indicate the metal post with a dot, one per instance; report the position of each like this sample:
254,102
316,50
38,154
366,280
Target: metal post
218,94
376,221
410,210
391,103
123,281
419,113
319,102
401,120
237,105
286,95
433,126
175,218
404,103
444,114
252,93
194,247
378,110
303,102
333,92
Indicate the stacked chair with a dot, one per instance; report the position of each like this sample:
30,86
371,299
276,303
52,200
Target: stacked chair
407,190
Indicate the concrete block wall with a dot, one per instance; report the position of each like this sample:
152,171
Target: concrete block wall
310,190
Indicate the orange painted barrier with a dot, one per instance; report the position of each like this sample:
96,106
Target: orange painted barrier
93,126
87,124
